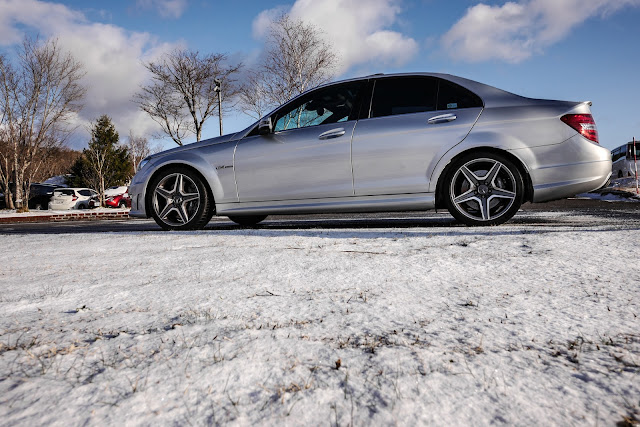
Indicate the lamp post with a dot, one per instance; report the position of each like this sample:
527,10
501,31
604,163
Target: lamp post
218,89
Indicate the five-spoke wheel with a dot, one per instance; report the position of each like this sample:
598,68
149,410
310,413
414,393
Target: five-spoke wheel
484,189
179,200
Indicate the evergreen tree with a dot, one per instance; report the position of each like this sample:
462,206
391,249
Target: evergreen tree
104,163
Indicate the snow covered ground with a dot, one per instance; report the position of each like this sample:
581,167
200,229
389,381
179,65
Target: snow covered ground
517,324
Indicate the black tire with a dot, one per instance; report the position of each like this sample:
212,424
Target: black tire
178,199
81,206
247,220
122,205
619,174
483,189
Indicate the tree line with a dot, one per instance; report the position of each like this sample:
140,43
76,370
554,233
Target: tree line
41,94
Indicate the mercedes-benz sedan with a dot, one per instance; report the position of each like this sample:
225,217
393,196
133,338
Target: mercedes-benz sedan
381,143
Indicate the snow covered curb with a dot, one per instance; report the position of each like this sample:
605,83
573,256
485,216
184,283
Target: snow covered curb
74,215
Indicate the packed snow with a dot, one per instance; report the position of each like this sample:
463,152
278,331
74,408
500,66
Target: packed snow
531,323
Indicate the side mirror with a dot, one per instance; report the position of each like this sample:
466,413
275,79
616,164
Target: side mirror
265,127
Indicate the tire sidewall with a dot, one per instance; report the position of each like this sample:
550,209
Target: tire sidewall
519,184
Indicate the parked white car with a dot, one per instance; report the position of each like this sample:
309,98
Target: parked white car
72,198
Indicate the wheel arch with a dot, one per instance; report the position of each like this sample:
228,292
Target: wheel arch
441,185
171,165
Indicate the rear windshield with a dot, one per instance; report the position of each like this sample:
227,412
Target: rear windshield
63,192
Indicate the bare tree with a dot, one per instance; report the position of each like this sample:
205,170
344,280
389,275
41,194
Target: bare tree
254,99
8,127
56,161
139,148
182,94
39,98
296,58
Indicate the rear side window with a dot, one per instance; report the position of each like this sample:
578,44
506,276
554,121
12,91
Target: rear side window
404,95
84,192
451,96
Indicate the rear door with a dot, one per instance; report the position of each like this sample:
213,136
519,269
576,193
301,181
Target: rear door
412,121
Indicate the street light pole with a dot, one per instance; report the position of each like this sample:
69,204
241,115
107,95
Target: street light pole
218,89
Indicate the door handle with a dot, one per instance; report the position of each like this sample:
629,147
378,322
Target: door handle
444,118
333,133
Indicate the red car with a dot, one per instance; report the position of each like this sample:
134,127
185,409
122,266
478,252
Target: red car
119,201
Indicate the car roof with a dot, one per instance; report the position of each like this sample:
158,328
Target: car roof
490,95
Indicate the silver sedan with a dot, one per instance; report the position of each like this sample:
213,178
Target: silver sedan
381,143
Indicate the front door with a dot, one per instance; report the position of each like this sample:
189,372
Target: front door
308,156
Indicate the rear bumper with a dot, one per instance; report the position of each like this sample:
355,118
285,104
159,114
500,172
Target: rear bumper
561,190
564,170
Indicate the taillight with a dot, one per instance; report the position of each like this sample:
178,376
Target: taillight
74,199
583,124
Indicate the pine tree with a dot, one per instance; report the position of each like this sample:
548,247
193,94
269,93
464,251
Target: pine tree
104,163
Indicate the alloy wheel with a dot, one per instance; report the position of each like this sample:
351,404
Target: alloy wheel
484,190
176,199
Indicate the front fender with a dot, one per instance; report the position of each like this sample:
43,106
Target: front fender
214,163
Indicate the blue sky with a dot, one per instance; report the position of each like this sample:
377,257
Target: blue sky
559,49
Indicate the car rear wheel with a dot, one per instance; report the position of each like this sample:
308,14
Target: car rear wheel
484,189
179,200
247,220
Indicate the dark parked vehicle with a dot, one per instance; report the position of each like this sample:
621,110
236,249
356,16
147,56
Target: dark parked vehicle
39,196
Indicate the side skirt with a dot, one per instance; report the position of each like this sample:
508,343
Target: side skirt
386,203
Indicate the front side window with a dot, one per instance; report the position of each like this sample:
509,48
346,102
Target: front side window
332,104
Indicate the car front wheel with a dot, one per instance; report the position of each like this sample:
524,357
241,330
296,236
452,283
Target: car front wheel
484,189
179,200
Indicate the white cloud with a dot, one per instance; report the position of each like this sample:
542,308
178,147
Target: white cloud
165,8
515,31
358,31
112,58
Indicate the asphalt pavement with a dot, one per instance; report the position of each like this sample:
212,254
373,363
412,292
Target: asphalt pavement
574,212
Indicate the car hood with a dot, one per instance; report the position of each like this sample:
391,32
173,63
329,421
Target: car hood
187,147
